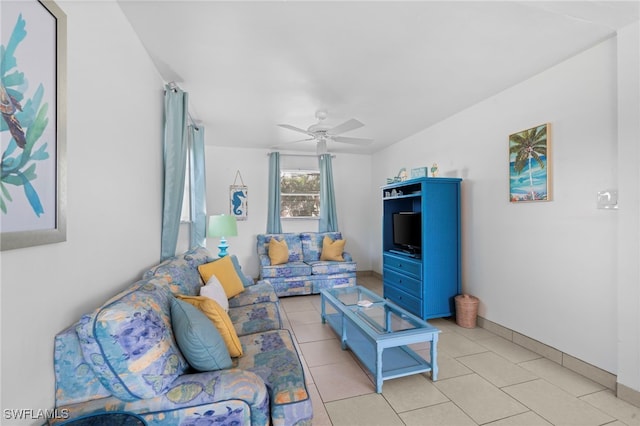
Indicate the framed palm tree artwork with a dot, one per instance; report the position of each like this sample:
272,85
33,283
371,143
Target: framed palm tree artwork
529,165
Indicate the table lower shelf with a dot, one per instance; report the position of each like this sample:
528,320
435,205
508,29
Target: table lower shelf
397,361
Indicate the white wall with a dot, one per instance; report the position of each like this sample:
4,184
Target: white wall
352,179
114,200
545,269
629,215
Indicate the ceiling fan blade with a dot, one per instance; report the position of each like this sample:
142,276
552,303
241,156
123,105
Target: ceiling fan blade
295,129
345,127
282,145
356,141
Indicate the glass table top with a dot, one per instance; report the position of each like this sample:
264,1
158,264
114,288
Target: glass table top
382,316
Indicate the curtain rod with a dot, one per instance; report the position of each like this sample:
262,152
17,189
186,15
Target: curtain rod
300,155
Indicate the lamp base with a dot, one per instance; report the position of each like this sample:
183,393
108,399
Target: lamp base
223,246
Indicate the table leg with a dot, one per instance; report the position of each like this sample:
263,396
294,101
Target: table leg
434,357
322,302
379,369
343,337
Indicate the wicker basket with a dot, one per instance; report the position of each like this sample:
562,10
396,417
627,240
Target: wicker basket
466,310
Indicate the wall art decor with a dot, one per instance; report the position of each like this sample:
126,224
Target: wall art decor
529,165
239,204
33,124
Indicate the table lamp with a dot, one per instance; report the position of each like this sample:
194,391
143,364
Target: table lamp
222,226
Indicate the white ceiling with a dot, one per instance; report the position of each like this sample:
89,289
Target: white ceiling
398,67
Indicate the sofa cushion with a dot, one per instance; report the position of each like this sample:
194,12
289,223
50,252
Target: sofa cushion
255,318
322,267
129,343
272,356
278,251
181,271
261,292
291,269
312,243
226,273
220,319
197,337
214,290
292,286
332,249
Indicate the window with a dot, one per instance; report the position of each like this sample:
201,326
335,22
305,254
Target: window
299,193
185,212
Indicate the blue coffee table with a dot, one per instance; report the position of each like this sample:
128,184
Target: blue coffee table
379,332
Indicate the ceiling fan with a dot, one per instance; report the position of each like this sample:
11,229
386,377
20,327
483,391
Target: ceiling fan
320,132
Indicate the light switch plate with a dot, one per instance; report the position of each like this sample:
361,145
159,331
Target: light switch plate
607,199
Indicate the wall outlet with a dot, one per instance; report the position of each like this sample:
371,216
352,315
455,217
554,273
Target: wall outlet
608,199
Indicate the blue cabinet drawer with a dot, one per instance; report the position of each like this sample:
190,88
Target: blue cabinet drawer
405,265
403,300
410,285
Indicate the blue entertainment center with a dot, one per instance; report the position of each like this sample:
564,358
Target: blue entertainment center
421,245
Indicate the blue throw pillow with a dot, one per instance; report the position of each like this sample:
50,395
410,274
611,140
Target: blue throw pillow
198,338
246,281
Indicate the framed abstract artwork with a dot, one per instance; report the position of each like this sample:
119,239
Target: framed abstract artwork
529,165
33,124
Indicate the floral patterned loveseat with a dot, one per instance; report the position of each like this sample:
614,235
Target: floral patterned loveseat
304,272
123,357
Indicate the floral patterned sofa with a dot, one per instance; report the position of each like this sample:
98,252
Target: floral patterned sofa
304,272
123,357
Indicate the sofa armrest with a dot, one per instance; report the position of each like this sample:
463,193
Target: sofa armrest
347,256
189,390
264,260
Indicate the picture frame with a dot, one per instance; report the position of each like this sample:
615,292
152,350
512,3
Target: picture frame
238,203
530,165
238,198
33,124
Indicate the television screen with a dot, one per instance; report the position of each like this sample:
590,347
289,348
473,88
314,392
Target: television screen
407,230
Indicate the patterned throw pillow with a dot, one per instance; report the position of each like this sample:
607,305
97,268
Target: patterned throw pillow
332,250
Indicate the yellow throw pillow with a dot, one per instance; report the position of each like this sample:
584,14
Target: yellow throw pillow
278,251
225,273
220,319
332,250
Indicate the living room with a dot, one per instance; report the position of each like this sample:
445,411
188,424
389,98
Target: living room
563,272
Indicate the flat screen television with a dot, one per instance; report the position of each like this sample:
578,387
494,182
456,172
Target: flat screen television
407,231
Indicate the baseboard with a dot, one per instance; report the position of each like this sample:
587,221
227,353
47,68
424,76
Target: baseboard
583,368
629,395
368,274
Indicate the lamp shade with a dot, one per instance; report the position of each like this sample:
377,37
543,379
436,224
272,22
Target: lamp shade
222,226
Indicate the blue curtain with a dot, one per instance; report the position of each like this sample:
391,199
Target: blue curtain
198,188
328,216
273,214
175,155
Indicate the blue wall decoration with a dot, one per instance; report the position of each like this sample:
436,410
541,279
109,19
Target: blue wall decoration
238,201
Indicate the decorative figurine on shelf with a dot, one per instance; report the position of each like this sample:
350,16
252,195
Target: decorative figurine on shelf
402,175
434,170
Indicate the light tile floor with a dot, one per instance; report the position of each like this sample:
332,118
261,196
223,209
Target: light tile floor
483,379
